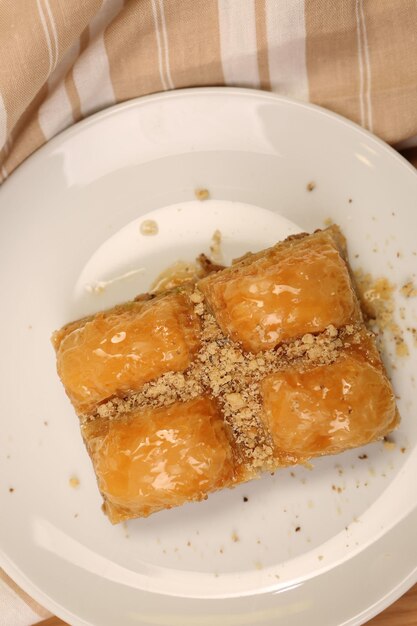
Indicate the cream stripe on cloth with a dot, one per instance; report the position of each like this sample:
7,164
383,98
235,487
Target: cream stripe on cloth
92,80
238,43
286,43
62,60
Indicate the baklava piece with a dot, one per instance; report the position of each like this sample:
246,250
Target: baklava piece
254,367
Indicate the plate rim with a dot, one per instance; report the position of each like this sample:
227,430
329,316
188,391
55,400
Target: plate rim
110,111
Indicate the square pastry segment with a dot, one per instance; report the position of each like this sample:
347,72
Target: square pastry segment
263,364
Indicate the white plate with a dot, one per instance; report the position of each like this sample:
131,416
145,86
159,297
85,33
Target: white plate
69,220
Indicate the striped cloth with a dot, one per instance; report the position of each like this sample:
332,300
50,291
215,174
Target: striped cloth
62,60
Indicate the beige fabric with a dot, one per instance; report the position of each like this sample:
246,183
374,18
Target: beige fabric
62,60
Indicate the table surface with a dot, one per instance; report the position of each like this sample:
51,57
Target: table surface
401,613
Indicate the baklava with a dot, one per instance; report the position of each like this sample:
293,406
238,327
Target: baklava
254,367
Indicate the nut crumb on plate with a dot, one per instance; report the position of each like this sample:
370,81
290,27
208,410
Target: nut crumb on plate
149,227
74,482
409,290
202,194
378,304
215,247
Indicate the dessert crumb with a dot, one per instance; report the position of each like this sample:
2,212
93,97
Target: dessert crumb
311,186
202,194
408,290
401,348
215,247
328,221
379,307
74,482
149,227
362,456
307,465
235,537
245,499
413,332
298,528
11,489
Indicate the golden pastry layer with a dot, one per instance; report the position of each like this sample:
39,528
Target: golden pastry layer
119,350
255,367
300,286
159,458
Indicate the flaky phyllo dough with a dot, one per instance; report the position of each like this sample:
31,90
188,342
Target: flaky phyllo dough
254,367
